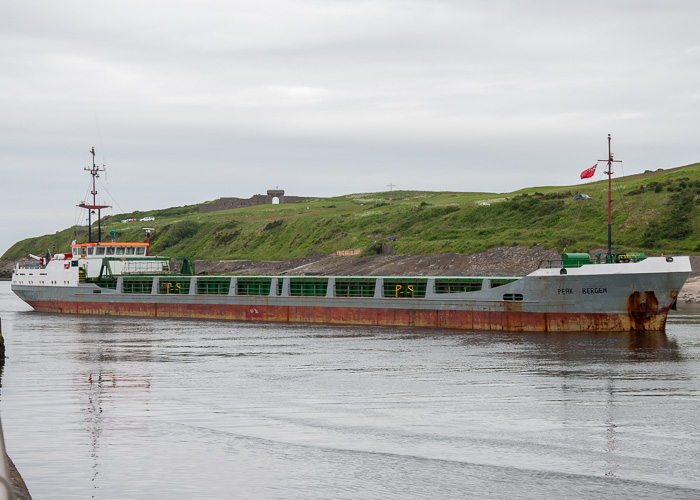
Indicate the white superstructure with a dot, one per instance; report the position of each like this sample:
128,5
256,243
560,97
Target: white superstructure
85,261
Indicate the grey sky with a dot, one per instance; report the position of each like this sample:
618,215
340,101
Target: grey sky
190,101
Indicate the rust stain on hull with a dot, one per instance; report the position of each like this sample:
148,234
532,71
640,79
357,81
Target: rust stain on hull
642,308
642,315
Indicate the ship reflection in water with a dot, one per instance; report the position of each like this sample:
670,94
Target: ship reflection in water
593,346
122,408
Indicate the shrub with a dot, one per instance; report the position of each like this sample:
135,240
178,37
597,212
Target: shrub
273,225
373,248
676,223
176,233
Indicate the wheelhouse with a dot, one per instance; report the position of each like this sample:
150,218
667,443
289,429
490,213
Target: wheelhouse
101,250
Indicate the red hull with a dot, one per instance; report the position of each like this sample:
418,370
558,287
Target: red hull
512,320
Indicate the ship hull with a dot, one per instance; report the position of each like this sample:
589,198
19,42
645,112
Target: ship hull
497,320
605,297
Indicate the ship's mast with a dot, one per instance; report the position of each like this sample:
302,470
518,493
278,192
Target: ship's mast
95,172
148,230
610,172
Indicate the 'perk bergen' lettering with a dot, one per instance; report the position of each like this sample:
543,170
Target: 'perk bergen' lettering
585,291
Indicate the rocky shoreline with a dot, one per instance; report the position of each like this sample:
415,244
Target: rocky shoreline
689,298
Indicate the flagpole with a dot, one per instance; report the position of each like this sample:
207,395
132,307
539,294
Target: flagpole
610,160
609,172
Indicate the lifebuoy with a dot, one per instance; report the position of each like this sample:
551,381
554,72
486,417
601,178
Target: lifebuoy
67,265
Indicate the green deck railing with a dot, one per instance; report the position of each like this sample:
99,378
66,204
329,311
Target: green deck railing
358,287
306,287
254,286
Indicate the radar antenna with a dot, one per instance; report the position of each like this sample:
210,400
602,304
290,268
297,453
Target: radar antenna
95,172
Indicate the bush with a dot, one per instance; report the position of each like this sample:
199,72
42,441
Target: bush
176,233
224,239
676,224
273,225
374,248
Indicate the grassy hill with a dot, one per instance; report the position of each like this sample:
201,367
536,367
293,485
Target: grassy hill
653,212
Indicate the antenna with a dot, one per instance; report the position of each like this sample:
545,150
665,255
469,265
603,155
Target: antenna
148,230
95,172
609,172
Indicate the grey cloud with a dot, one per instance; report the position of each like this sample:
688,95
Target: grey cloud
325,98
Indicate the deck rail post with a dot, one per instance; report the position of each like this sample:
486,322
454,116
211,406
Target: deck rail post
379,288
273,287
430,289
330,291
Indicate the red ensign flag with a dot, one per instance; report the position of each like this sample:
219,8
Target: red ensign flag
588,172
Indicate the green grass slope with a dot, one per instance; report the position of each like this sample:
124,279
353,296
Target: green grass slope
653,212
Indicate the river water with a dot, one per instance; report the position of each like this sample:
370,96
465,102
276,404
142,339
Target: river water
121,408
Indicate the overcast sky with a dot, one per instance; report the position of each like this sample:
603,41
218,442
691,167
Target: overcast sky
190,101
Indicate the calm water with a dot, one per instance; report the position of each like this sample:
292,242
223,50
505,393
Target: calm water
98,407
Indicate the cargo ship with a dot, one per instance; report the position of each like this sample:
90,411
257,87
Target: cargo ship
613,292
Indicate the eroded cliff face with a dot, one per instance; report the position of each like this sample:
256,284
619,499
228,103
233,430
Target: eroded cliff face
6,269
516,261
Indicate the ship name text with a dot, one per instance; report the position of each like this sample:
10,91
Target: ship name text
584,291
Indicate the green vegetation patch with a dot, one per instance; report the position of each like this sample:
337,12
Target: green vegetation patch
653,212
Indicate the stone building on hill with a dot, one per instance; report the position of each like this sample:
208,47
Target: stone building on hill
272,196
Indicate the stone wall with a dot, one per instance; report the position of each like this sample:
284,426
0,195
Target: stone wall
258,199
